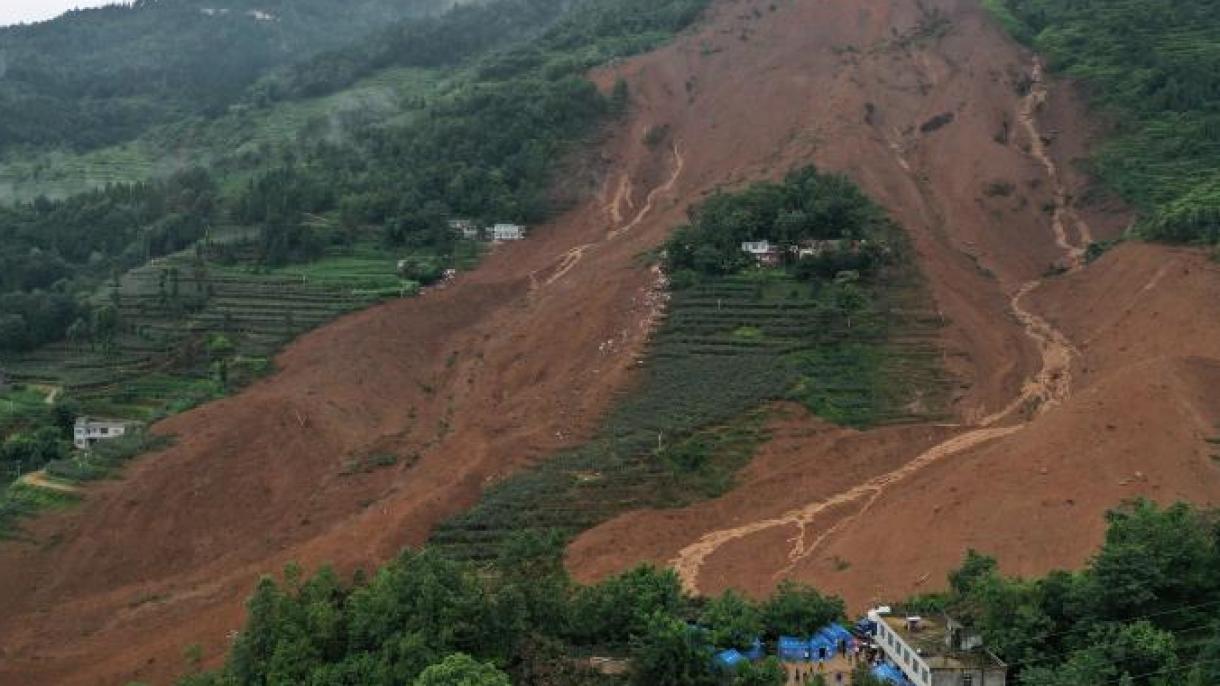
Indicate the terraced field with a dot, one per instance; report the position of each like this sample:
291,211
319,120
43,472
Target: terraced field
753,339
170,308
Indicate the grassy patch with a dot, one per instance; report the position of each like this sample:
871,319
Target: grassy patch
369,463
18,500
19,406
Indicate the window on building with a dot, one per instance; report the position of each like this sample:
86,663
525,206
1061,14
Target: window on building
967,680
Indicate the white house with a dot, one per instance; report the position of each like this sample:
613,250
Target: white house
89,431
938,652
507,232
762,251
465,228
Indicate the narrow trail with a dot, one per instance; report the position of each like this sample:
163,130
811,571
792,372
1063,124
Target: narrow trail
1046,389
39,479
650,203
622,197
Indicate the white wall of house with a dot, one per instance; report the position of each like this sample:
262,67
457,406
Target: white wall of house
508,232
87,432
902,654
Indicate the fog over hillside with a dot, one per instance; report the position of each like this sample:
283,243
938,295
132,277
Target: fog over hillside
27,11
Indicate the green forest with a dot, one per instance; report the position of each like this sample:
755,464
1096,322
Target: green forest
485,151
1152,68
101,76
1141,613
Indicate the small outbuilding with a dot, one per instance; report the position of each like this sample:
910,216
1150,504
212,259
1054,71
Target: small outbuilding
466,228
507,232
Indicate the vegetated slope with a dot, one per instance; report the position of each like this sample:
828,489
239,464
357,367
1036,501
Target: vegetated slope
1125,401
102,76
509,363
1153,68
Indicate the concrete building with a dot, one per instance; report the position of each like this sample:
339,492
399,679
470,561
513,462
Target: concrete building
89,431
507,232
763,252
941,652
466,229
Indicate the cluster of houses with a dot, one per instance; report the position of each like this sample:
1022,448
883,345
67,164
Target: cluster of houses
499,233
768,254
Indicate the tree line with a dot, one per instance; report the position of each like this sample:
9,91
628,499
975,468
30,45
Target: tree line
1141,613
521,621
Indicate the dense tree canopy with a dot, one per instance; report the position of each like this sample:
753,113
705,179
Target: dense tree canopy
1154,67
807,207
1142,612
51,250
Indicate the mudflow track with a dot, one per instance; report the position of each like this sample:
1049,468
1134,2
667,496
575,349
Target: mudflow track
1079,390
917,101
1050,386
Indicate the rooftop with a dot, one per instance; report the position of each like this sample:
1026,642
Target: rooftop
930,639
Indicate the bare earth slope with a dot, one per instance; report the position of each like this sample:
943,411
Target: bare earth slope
1121,404
523,356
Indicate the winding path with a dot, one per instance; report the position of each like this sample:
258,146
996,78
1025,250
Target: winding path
1046,389
622,197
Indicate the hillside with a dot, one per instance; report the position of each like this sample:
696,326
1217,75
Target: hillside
97,77
529,390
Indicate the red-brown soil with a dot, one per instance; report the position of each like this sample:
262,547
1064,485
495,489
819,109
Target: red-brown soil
522,356
1121,405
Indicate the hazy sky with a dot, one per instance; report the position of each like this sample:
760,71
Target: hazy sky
17,11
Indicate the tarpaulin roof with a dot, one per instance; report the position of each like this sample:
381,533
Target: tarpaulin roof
729,659
793,648
837,632
889,673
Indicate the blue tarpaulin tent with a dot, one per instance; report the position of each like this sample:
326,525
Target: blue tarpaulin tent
728,660
818,642
837,633
792,649
889,674
756,651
